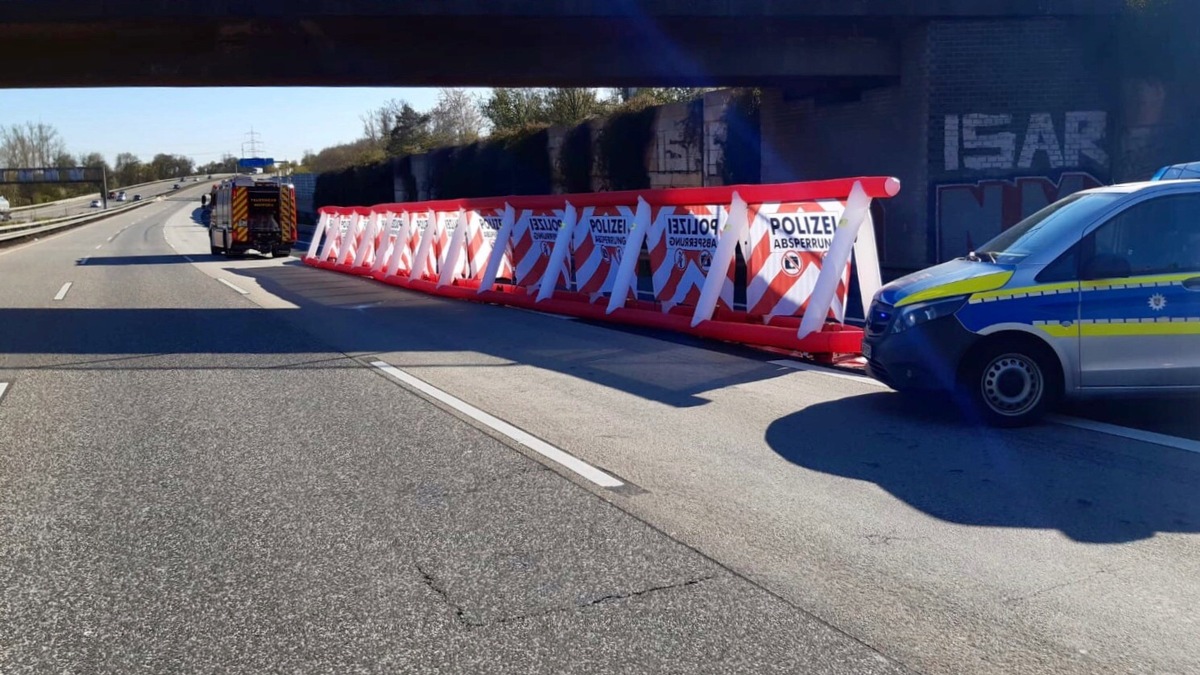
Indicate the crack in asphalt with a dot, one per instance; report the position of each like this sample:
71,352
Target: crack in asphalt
460,612
887,539
652,589
1055,587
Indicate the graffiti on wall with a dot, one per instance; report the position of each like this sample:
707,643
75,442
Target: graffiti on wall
969,214
1022,164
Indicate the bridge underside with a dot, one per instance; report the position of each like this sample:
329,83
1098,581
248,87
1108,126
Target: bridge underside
57,43
433,52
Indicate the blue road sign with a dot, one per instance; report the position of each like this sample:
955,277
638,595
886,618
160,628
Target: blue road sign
255,162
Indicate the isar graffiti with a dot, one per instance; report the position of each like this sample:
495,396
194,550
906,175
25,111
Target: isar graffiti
979,142
1004,168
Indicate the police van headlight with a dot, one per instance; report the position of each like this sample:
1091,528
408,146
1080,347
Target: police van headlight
915,315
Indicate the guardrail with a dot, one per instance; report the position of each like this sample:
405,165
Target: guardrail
22,230
66,203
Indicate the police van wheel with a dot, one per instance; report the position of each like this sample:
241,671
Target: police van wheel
214,250
1013,383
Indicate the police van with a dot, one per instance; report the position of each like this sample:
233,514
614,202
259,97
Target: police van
1097,294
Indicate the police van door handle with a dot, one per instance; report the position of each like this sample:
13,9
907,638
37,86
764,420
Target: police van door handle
1192,284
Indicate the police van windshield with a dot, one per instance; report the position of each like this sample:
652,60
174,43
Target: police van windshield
1071,213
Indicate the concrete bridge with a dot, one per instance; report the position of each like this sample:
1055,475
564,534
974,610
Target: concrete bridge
54,43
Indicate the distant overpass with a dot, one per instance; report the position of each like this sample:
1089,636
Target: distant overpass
55,43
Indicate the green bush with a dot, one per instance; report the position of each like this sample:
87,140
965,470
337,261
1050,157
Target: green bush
741,161
528,153
407,178
575,159
622,146
513,163
356,186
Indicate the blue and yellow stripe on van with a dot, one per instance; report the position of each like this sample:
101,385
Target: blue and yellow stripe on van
970,286
1120,327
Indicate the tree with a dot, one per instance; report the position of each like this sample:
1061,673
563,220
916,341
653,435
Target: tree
33,144
509,109
306,162
227,164
568,106
170,166
410,134
338,157
378,123
661,95
456,119
126,169
95,160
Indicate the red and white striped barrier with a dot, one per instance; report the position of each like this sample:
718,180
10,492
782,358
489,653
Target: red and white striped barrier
577,254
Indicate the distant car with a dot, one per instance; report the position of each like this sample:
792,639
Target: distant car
196,179
175,186
95,204
209,176
120,196
137,198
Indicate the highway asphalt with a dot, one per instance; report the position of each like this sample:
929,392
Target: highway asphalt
248,465
81,205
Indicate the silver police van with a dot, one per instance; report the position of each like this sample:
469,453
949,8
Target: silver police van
1097,294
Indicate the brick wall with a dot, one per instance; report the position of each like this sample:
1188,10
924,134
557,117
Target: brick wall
1021,113
990,120
882,133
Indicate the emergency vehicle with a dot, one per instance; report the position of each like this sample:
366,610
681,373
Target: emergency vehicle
1097,294
252,215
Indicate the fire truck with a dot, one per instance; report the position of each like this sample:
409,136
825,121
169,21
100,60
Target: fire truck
248,214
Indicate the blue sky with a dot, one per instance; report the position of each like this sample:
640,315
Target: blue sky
203,123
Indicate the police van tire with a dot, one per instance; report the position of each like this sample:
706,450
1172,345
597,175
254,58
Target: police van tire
280,253
1012,382
214,250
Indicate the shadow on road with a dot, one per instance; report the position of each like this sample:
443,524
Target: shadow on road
1031,478
122,260
358,316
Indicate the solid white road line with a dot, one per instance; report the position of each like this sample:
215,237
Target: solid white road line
808,367
99,247
62,292
83,261
1165,440
563,317
3,389
239,290
524,438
